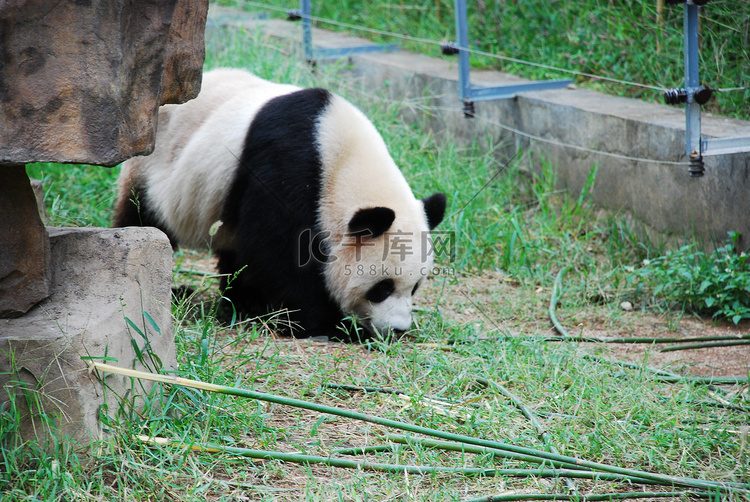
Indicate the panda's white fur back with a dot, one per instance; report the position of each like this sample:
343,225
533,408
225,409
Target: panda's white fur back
198,145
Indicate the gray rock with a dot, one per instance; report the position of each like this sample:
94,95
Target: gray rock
186,51
25,272
82,81
37,186
101,278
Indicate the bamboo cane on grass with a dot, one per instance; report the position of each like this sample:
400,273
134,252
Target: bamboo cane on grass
364,450
531,416
718,343
300,458
543,456
478,450
554,299
594,497
731,340
669,377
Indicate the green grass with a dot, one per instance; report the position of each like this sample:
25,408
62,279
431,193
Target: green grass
622,40
77,195
511,226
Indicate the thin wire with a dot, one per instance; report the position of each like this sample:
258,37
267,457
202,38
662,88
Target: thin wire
477,51
469,50
577,147
430,109
564,70
347,25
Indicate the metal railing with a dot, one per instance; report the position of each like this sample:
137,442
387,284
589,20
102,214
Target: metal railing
694,95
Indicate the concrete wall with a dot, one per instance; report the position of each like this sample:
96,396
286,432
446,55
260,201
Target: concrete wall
660,194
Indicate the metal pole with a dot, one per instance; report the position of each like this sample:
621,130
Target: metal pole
306,10
692,82
462,34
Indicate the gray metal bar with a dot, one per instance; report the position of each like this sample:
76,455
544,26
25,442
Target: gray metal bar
462,35
724,146
510,91
692,81
306,11
231,19
323,53
469,93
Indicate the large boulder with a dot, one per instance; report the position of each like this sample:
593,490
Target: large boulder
25,272
81,81
111,290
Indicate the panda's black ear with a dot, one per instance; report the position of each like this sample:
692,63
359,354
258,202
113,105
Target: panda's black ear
434,208
372,222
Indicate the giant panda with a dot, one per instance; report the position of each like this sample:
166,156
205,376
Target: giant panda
295,192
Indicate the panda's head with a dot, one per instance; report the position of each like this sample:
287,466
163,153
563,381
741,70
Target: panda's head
378,243
381,262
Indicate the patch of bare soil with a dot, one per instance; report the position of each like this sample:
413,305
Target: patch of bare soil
724,361
501,305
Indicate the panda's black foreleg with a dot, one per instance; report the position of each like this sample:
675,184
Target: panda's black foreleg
238,298
264,291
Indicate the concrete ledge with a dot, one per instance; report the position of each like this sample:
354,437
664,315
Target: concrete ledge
100,277
661,195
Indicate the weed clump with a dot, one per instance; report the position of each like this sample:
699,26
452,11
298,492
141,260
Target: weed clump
716,284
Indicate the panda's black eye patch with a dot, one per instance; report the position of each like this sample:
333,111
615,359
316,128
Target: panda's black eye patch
381,291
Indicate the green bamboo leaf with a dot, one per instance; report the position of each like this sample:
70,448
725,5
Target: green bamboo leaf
138,353
151,322
103,358
136,328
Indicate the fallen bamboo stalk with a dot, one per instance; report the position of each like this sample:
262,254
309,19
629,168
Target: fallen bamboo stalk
300,458
554,298
543,456
595,497
705,345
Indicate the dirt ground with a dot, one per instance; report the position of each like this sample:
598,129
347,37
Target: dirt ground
602,322
500,305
